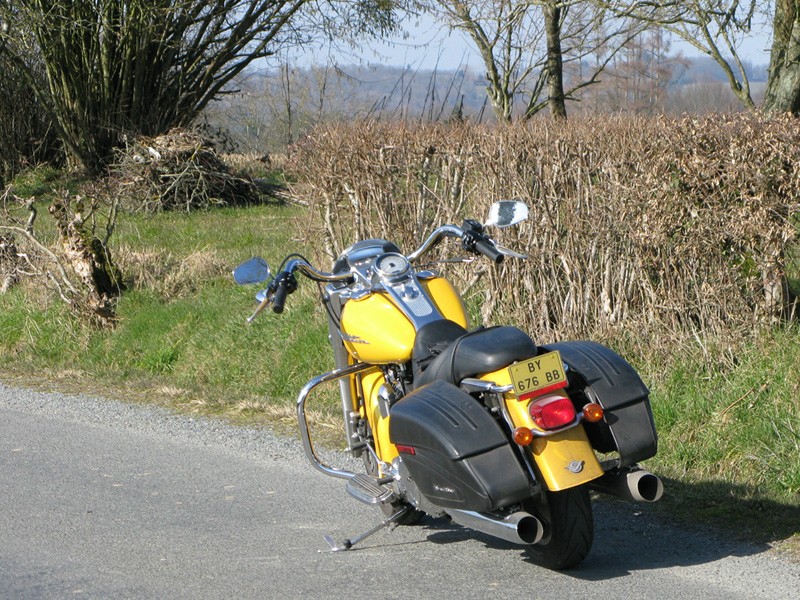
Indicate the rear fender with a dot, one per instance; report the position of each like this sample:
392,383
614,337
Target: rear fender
564,460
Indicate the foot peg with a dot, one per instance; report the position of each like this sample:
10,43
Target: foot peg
347,544
369,490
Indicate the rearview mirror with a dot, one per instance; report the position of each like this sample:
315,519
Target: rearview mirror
506,213
254,270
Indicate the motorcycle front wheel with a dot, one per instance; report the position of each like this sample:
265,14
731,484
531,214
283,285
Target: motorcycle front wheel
568,527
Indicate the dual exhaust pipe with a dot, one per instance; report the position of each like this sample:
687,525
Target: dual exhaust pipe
518,528
634,484
523,528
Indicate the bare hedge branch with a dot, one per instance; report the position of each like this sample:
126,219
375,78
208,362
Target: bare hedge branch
673,227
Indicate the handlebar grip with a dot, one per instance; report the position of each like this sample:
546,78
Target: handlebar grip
489,250
279,299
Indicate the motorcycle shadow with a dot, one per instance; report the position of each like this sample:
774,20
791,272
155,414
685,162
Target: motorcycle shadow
636,537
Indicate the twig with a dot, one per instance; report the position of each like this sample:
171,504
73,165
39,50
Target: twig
47,251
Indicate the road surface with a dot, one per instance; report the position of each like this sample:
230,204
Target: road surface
104,499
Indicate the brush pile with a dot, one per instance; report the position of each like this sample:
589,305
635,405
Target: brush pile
179,170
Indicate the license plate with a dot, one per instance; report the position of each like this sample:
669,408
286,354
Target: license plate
538,375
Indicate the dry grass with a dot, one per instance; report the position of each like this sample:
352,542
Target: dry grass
167,275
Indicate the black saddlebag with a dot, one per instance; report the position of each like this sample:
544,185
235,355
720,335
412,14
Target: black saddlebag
598,374
455,451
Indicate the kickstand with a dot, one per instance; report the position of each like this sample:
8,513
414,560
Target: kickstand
347,544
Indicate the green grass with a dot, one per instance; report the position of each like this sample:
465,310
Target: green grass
181,326
729,440
44,181
729,434
737,425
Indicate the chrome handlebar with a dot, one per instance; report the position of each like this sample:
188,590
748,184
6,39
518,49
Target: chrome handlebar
298,264
434,238
284,283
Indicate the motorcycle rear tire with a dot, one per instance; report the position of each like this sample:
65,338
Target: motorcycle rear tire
569,528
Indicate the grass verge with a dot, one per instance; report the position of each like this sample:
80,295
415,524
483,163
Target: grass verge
729,436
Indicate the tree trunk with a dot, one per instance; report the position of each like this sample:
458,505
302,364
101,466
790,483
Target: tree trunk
90,260
555,70
9,263
783,85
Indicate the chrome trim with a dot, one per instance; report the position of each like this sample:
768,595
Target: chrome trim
519,528
426,274
434,238
409,296
541,433
306,269
634,484
470,385
305,434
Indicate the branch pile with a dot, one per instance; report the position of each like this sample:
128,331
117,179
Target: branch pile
179,170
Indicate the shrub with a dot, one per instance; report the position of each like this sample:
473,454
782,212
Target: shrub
649,226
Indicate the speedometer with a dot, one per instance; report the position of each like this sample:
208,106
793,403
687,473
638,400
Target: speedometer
391,265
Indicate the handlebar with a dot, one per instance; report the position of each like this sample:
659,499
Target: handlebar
480,243
490,251
434,238
471,234
279,299
299,264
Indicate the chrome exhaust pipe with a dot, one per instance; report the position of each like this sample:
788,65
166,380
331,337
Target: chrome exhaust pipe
633,484
519,527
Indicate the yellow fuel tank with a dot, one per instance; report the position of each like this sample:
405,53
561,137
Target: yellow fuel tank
446,299
376,331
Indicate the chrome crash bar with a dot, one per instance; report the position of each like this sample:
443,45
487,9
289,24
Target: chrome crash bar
305,434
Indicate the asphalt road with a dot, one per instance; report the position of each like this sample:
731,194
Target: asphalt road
103,499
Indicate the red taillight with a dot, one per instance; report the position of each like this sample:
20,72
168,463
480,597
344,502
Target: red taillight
552,412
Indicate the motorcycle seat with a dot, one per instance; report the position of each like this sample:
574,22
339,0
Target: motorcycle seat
468,354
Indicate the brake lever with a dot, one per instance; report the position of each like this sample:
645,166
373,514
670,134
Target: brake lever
458,260
510,253
264,304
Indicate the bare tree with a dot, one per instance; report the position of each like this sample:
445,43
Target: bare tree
26,132
715,28
638,78
145,66
525,46
554,66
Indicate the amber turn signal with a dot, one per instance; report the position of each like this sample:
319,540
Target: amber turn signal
523,436
592,412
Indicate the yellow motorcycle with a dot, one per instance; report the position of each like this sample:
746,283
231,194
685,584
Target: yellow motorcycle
482,425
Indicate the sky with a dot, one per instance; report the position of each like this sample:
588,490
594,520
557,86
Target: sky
432,46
